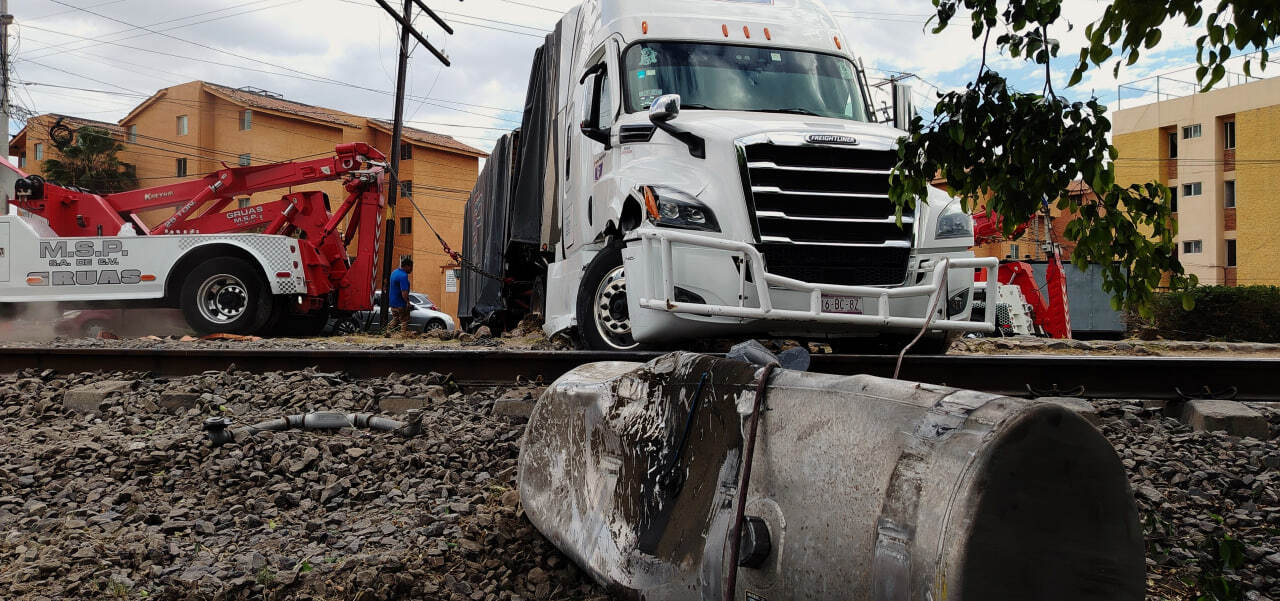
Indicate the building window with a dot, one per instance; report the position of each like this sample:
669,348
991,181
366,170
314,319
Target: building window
39,152
246,120
1173,199
406,189
406,225
1229,135
406,151
182,168
1194,189
22,161
245,159
1013,252
242,203
1192,247
182,125
133,133
1191,131
1229,194
1231,253
1173,145
451,280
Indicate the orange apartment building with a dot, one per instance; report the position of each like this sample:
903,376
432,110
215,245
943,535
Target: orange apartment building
188,130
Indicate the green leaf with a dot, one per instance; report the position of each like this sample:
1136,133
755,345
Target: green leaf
1099,54
1188,302
1153,38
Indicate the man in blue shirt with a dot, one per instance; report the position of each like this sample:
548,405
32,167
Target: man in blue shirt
399,297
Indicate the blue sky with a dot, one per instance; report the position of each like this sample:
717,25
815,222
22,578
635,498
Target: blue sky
100,58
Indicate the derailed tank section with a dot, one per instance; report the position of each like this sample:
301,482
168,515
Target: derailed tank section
861,488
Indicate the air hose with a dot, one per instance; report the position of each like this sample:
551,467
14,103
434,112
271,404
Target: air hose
748,455
220,432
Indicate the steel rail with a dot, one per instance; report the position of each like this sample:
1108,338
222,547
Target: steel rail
1166,378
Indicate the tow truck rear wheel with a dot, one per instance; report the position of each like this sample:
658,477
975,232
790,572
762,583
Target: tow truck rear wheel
604,322
225,295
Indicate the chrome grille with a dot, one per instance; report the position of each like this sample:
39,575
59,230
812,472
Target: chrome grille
823,213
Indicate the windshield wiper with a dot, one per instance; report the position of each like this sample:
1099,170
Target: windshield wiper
791,111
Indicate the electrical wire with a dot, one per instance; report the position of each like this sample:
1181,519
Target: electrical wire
200,106
251,2
440,103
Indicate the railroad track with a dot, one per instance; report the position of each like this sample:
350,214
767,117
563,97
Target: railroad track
1167,378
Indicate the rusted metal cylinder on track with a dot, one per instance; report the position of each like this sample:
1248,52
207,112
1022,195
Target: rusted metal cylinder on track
861,488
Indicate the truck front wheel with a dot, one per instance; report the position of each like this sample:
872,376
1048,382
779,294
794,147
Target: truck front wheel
225,295
604,322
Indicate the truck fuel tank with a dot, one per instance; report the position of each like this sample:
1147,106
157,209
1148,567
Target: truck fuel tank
860,488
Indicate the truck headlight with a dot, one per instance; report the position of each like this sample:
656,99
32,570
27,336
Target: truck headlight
669,207
954,222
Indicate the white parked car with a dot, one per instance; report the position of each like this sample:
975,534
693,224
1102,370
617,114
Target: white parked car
423,317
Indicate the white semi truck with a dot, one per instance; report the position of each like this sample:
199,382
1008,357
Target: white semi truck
709,168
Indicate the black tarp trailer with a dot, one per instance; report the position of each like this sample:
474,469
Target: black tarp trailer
503,231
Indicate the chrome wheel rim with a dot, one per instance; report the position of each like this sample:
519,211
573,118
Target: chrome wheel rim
223,299
612,318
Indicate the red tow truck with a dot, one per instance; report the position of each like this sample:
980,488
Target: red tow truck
251,270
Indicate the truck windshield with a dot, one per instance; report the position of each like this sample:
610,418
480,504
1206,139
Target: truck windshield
742,78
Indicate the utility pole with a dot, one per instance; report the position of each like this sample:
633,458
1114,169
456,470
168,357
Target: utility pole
5,20
397,130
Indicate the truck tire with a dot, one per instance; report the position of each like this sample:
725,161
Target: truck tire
604,322
225,295
348,326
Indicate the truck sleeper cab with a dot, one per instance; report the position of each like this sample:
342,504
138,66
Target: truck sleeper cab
715,170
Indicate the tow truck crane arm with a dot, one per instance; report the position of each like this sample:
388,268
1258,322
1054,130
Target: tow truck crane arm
72,212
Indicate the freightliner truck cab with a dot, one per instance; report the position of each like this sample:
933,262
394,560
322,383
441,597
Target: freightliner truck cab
712,168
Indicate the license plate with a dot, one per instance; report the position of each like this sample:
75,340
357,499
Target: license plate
842,304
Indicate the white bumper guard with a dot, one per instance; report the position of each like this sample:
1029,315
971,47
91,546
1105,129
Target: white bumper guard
764,281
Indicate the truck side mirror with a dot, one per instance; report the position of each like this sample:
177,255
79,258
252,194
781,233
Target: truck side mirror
665,108
590,127
663,111
903,107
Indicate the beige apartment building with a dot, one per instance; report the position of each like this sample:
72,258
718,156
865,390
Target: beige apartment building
1219,153
186,131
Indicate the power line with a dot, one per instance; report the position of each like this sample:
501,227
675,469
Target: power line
251,2
481,19
179,75
526,4
200,106
301,75
63,12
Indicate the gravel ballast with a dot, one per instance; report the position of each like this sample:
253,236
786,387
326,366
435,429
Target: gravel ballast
125,498
132,502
